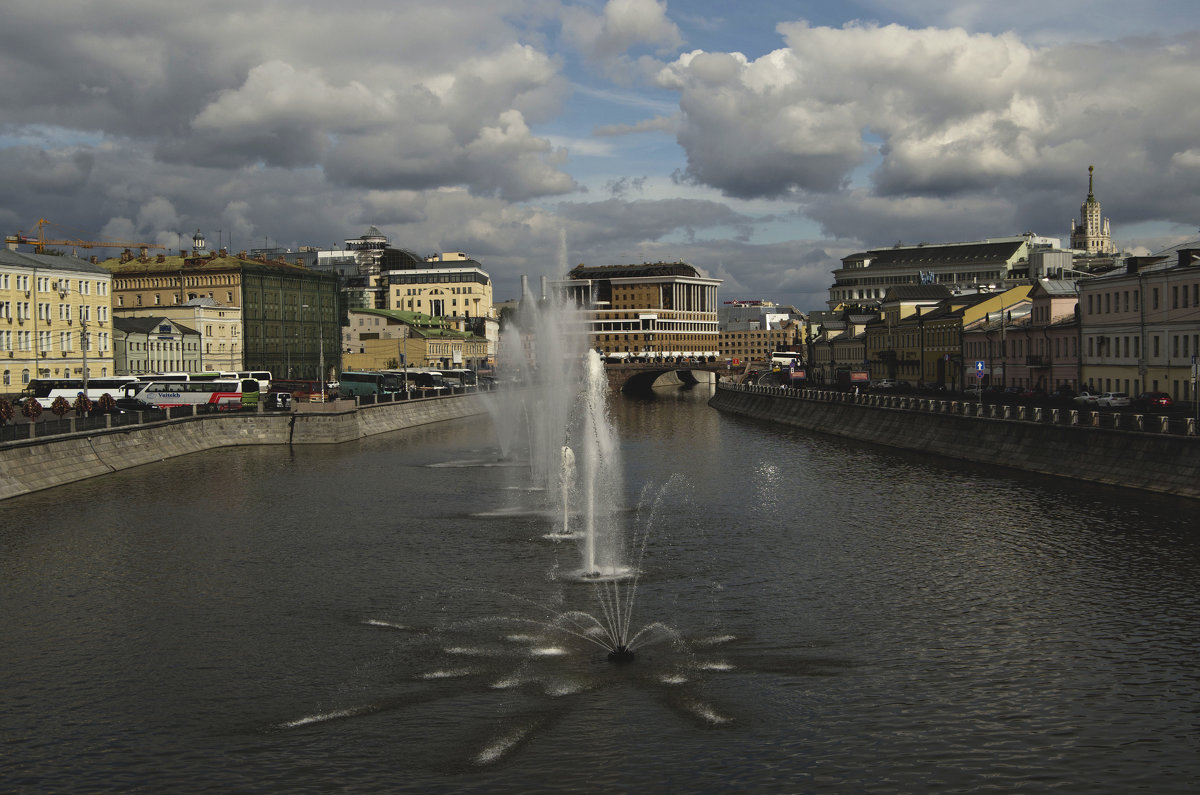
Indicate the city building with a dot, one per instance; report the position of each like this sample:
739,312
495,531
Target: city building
55,318
154,345
219,326
381,339
994,341
1044,354
1091,234
993,264
1140,326
443,285
751,330
289,313
659,309
838,343
895,342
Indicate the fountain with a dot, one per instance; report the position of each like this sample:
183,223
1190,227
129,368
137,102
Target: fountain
574,461
534,643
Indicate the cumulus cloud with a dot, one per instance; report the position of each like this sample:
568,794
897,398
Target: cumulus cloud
931,113
620,27
612,39
38,170
485,127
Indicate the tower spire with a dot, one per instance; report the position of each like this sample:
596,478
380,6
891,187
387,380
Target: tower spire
1091,193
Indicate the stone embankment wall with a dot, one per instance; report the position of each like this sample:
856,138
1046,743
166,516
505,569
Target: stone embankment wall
1136,459
43,463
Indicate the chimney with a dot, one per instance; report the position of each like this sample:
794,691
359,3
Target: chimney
1134,265
1189,257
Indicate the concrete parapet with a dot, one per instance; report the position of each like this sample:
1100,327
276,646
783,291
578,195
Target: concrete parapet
1159,462
40,463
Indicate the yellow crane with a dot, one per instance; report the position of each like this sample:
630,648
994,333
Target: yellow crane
39,241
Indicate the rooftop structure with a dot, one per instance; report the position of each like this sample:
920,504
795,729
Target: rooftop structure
990,264
1091,234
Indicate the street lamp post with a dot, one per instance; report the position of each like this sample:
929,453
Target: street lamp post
83,343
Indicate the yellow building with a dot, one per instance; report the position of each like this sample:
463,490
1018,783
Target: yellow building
660,309
55,319
1140,326
380,339
444,285
219,326
756,345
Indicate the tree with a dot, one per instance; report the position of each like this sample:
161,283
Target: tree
31,409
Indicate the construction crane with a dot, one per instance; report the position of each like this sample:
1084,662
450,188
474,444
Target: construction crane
39,241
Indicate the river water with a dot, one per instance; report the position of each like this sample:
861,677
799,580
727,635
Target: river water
372,617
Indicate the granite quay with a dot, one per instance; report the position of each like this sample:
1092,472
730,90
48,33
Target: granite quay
76,449
1135,451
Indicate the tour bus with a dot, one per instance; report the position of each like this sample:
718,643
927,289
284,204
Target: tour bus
262,376
226,395
45,390
424,381
460,377
785,358
370,382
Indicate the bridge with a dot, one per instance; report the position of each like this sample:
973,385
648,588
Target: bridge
641,376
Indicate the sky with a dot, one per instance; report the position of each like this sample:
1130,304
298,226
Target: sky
760,141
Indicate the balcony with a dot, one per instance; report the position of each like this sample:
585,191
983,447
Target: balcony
1037,360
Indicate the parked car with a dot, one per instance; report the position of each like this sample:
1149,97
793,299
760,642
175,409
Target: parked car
1151,401
1087,398
973,391
1113,400
134,404
883,383
277,401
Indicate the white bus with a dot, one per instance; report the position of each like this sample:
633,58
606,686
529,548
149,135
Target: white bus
784,358
226,395
423,381
263,377
45,390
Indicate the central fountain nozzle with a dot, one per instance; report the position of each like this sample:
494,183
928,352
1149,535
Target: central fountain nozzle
621,655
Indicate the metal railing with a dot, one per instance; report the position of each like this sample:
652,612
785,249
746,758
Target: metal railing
50,426
1085,418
